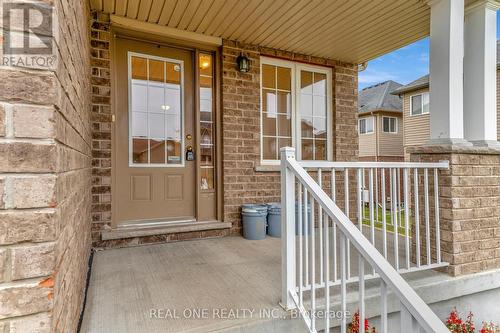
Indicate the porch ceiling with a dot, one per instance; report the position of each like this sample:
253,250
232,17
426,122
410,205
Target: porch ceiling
352,31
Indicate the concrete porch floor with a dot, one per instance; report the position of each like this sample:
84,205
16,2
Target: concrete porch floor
130,286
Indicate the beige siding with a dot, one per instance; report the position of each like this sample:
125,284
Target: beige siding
416,128
367,145
390,144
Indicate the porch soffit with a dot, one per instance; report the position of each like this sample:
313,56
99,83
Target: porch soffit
351,31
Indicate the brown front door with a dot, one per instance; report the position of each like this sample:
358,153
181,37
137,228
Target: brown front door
154,129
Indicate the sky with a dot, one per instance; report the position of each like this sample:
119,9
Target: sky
403,65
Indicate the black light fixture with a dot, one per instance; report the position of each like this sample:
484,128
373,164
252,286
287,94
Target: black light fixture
243,63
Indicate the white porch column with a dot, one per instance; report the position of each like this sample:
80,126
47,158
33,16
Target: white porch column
446,71
480,62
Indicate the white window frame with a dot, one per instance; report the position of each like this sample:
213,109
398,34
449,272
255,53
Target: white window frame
373,125
422,104
129,75
395,125
295,102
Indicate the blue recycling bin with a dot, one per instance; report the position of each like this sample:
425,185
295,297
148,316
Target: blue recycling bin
254,218
274,219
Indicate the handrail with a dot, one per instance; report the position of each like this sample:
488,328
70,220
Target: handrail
374,165
418,309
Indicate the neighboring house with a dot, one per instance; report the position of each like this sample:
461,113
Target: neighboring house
380,123
416,117
148,122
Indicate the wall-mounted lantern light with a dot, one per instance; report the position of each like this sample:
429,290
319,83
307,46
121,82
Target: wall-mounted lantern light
243,63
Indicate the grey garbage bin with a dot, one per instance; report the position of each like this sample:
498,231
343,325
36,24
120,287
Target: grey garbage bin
306,225
274,219
254,219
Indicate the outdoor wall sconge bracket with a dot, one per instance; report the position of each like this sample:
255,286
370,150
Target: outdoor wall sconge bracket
243,63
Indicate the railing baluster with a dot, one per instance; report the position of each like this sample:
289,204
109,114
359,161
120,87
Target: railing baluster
343,278
376,196
383,307
313,267
360,201
417,217
436,216
327,274
346,202
361,281
370,204
394,222
301,250
427,222
334,194
407,217
384,215
306,237
334,227
398,171
320,231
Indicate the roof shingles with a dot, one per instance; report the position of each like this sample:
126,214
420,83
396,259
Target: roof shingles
379,97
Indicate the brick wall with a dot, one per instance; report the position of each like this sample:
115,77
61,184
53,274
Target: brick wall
469,207
45,181
241,126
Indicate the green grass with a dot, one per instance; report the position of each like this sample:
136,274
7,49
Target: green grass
378,223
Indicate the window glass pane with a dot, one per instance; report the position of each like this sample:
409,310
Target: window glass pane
386,125
157,126
319,128
319,86
269,124
269,101
140,151
156,97
269,148
306,105
139,92
174,152
319,106
416,104
393,125
206,158
306,81
284,125
306,125
207,178
369,125
307,149
205,64
425,97
139,68
268,76
284,76
156,70
206,133
173,73
139,124
320,149
157,151
362,126
284,102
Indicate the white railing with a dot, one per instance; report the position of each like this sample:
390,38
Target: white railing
323,251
